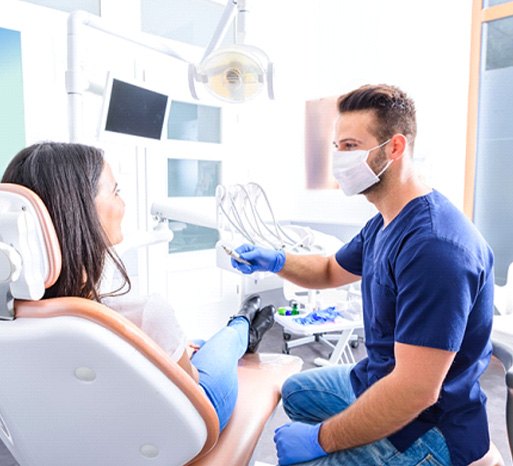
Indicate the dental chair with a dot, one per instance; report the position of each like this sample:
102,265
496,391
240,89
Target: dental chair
81,385
504,354
503,294
502,330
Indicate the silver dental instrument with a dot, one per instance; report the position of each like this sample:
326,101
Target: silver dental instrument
235,255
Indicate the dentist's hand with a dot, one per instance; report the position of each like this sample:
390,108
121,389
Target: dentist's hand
297,442
261,260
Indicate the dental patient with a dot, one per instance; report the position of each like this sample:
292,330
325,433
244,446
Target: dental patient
79,190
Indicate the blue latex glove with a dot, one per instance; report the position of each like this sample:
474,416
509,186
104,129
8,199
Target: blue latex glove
262,260
298,442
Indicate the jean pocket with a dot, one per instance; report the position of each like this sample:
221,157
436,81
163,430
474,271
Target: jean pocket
430,460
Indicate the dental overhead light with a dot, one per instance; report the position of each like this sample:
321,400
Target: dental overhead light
234,73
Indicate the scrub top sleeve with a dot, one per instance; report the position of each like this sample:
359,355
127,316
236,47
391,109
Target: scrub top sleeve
437,282
349,256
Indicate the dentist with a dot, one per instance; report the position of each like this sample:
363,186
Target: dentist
427,287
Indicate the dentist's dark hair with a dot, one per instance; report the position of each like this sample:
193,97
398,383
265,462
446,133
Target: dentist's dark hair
65,176
393,109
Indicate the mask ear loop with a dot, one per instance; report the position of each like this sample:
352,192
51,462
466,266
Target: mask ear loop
388,163
384,168
381,145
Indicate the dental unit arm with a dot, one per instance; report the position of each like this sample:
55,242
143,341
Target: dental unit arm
244,215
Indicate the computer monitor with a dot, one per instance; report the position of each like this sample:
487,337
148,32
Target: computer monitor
133,109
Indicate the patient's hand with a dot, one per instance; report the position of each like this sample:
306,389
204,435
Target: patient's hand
185,363
191,348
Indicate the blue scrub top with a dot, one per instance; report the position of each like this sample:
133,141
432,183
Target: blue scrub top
427,280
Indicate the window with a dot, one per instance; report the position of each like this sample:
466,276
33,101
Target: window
92,6
489,3
12,117
192,122
193,130
192,178
489,194
498,44
190,21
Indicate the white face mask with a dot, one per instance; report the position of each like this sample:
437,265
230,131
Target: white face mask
351,170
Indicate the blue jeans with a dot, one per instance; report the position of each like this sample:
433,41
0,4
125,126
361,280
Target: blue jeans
313,396
216,362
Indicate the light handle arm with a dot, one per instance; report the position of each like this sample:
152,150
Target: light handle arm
222,27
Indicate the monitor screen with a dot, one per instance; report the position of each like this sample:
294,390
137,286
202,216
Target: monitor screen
134,110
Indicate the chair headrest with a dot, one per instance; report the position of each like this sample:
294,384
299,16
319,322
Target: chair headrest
30,255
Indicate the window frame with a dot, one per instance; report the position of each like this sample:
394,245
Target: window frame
480,16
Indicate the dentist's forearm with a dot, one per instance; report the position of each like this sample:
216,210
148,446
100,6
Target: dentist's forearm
306,271
315,272
382,410
395,400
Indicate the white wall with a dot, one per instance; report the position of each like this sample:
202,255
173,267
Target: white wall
328,47
43,41
320,48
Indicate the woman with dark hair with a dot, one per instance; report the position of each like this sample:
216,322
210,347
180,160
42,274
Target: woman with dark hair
79,190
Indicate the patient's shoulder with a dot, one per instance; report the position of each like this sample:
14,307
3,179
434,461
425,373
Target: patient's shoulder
132,301
138,308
